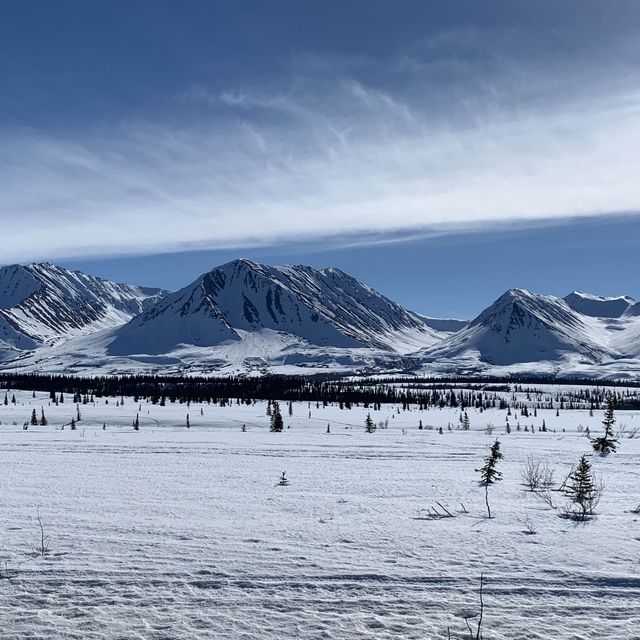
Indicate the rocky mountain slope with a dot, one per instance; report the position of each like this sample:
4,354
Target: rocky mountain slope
325,308
246,317
41,303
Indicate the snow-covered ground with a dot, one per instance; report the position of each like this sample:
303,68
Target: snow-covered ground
169,532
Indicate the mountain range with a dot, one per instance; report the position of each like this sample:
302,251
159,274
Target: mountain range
244,317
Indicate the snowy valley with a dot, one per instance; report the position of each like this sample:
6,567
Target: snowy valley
166,518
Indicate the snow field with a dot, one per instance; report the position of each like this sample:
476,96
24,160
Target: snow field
171,532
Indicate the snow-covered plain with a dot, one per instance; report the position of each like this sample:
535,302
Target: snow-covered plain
169,532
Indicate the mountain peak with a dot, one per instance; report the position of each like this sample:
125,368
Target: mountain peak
239,263
325,308
521,326
43,301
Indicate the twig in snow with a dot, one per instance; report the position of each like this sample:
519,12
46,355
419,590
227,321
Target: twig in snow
478,633
6,573
43,548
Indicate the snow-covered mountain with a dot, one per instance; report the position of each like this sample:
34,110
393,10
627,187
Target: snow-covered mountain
324,308
521,327
633,310
41,303
445,325
242,317
599,306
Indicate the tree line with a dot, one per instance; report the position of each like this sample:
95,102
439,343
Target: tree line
325,389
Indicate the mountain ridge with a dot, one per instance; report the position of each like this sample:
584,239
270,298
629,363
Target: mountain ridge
325,307
243,316
41,302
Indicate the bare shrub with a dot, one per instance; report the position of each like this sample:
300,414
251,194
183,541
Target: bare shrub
326,517
42,547
527,522
547,498
477,633
536,473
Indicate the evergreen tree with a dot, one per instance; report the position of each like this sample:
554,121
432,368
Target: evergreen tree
277,423
43,418
488,472
582,490
136,423
369,424
72,426
607,443
34,418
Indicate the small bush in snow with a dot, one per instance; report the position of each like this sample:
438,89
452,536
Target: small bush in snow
536,473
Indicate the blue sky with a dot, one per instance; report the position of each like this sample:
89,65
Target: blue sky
441,152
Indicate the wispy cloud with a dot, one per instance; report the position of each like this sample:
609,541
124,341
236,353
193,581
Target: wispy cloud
324,157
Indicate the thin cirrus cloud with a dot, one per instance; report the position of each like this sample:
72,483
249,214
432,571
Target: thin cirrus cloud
323,157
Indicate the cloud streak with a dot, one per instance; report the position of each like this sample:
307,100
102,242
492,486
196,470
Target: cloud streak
323,157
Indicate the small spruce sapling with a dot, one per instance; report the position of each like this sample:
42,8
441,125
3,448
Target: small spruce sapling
583,490
369,424
277,423
607,443
488,472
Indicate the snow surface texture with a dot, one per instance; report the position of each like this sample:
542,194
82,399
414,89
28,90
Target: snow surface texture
245,317
171,532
